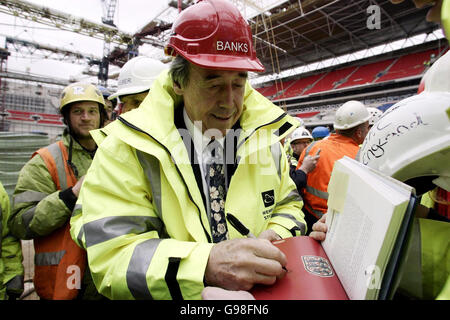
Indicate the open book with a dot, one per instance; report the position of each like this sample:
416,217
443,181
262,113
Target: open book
369,215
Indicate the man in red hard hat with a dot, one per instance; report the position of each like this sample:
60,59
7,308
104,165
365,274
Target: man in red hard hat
155,209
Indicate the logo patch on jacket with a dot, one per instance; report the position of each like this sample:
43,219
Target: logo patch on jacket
268,198
318,266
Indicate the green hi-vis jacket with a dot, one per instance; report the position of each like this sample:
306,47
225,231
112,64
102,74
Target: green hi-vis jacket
427,271
144,222
11,268
38,209
427,268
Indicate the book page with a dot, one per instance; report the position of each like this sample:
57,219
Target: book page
362,229
384,179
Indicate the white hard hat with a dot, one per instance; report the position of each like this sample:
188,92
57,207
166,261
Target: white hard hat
350,114
301,133
300,120
412,141
137,75
437,78
375,115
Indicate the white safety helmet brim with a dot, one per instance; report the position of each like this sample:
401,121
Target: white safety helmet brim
127,91
412,140
137,75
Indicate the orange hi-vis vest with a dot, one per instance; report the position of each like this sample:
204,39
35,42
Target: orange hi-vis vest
334,147
59,262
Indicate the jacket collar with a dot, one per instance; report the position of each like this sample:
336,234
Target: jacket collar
342,139
155,115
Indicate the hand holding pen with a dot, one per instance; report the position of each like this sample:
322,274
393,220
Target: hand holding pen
243,230
239,264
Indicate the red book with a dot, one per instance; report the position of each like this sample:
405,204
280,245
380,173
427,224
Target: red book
310,275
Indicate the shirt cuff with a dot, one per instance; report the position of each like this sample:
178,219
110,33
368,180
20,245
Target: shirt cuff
69,198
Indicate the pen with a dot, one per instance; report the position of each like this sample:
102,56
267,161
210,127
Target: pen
239,226
242,229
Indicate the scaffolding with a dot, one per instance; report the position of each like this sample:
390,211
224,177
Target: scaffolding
30,107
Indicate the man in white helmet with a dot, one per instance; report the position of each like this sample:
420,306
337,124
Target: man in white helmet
351,125
135,79
300,139
46,193
287,142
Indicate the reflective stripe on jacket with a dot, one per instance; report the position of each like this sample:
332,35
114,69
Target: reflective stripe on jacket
37,209
143,218
333,148
59,262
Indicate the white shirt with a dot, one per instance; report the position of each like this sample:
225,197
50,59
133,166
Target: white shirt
202,151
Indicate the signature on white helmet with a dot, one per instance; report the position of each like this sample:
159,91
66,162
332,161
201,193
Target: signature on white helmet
411,142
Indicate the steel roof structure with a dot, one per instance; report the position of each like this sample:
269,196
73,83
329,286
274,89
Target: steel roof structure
302,32
287,35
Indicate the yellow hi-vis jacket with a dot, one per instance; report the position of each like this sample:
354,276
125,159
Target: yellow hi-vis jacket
141,215
427,271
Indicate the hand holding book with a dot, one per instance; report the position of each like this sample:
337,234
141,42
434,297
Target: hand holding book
319,229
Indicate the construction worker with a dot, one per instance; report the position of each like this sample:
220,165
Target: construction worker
151,212
110,105
320,132
46,192
375,115
412,144
287,142
11,268
300,139
351,124
135,79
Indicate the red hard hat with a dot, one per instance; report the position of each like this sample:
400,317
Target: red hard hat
213,34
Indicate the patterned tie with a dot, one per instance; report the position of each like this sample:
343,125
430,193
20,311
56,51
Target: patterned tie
216,181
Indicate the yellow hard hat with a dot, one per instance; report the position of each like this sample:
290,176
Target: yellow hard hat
79,91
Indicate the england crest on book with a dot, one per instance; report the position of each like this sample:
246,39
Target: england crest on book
318,266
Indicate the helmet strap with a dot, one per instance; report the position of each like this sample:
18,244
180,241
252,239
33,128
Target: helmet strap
69,161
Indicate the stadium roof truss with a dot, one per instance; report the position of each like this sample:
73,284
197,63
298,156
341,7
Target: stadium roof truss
300,33
287,34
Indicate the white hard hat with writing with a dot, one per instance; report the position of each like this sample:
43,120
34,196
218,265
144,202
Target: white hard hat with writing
411,142
137,75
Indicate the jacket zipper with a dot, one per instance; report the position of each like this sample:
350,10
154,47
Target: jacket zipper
176,166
